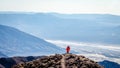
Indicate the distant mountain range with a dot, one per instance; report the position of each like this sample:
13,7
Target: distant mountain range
95,28
14,42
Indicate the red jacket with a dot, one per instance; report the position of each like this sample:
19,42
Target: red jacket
68,48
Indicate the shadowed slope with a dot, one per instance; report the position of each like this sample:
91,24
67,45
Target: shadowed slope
14,42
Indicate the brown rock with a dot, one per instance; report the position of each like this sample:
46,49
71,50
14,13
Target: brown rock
54,61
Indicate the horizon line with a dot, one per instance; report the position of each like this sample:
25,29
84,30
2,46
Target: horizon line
53,12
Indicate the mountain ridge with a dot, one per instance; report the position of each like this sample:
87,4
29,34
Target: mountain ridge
8,62
14,42
60,61
102,28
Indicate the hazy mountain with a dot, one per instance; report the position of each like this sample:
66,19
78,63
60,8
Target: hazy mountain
96,28
14,42
109,64
2,55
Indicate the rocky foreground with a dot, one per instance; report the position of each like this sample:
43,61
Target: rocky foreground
60,61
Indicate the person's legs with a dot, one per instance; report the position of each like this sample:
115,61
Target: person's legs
67,51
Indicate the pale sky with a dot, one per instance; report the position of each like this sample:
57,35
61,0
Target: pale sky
62,6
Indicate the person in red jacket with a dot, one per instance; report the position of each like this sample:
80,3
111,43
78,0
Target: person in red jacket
68,49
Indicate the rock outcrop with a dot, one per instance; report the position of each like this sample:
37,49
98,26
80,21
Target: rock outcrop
60,61
8,62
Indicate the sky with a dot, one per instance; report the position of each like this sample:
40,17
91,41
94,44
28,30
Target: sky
62,6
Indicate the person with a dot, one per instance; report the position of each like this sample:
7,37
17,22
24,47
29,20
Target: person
68,49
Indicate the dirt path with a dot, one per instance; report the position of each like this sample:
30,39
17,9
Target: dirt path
63,61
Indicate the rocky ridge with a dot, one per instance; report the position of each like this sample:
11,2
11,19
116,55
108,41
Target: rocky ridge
60,61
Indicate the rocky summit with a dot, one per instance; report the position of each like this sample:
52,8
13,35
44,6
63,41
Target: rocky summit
60,61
